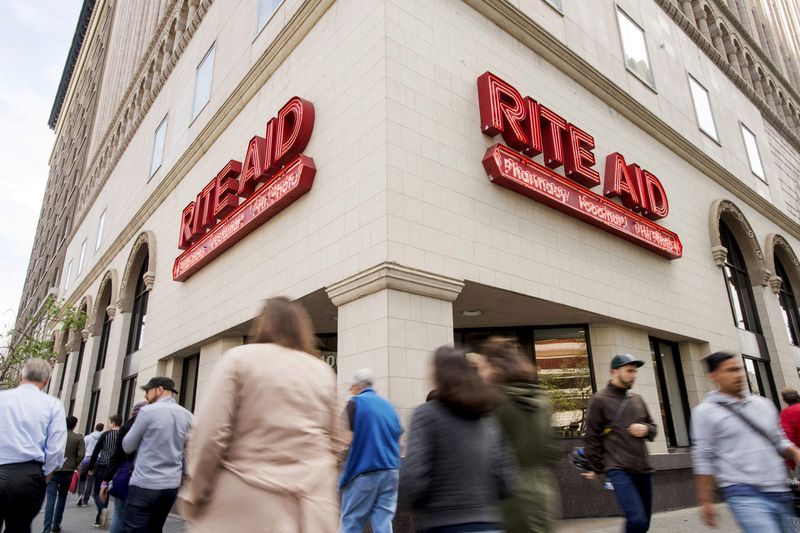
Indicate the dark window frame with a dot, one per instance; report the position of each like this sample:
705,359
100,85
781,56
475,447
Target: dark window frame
788,304
105,334
138,311
671,433
126,394
77,377
94,401
757,363
738,279
63,376
185,367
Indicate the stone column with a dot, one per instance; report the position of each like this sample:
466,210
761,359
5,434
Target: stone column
210,354
390,319
608,340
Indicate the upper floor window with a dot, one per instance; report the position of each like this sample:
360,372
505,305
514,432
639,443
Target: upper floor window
265,10
139,312
158,146
751,146
791,317
100,226
105,334
82,256
556,4
634,47
69,275
202,82
737,280
702,109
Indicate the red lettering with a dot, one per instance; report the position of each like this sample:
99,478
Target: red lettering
579,159
254,170
553,127
203,218
624,181
533,128
658,206
502,110
293,130
185,239
226,189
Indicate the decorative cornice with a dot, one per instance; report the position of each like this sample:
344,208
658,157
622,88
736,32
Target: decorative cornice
523,28
390,275
149,278
111,311
775,283
720,254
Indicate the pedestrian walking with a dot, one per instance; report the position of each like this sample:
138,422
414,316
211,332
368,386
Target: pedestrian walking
34,435
266,446
458,465
158,437
58,486
525,414
739,446
86,480
101,457
116,479
790,419
371,475
617,425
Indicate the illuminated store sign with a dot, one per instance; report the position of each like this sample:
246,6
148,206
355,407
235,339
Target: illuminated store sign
530,129
215,220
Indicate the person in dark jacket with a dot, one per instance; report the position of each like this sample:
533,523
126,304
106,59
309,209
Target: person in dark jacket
458,466
58,486
524,413
617,425
118,459
101,457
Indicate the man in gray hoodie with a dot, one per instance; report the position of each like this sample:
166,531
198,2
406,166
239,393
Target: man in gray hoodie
739,444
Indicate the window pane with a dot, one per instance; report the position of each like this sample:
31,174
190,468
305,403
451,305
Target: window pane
83,254
202,84
100,226
265,10
69,275
158,146
752,377
634,48
562,360
189,382
670,393
752,153
702,108
556,4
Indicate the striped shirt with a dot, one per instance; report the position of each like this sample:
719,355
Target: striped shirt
104,449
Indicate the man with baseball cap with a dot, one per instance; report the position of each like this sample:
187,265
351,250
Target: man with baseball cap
617,425
158,436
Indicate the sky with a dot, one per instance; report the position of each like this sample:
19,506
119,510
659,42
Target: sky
35,37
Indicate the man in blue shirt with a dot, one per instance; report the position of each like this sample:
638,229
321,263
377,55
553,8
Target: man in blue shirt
158,436
370,478
34,436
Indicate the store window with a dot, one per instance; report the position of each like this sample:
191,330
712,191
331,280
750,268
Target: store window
126,395
105,333
759,379
328,348
265,10
100,226
158,147
188,390
702,109
634,48
791,318
202,82
92,417
563,361
751,147
672,397
737,281
139,312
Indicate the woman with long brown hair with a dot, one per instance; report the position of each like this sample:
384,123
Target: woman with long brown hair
457,466
524,413
267,438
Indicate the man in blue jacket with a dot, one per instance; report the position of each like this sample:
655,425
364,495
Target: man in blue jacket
370,478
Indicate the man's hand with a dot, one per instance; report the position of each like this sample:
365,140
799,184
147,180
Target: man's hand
793,454
638,430
103,494
709,514
591,476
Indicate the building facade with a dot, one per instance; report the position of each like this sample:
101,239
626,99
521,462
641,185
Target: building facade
620,178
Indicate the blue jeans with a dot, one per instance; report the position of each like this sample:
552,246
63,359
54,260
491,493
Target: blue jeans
634,493
146,510
370,495
756,514
57,490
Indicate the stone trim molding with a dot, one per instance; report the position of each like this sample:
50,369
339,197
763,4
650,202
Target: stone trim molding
391,275
775,283
73,341
776,244
755,265
94,323
145,239
519,25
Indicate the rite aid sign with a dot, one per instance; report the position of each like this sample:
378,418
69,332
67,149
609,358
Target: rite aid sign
529,129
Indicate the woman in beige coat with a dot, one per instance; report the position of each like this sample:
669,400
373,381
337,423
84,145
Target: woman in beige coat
264,450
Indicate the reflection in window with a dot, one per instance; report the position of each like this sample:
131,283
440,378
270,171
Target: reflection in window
158,146
759,378
265,10
738,283
702,108
562,360
556,4
202,83
788,304
751,146
634,47
188,390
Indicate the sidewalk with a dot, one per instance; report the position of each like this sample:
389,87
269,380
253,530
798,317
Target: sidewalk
81,519
679,521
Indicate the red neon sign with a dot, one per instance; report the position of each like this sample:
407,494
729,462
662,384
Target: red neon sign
530,128
274,175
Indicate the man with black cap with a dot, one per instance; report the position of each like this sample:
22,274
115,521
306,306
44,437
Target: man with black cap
616,428
158,436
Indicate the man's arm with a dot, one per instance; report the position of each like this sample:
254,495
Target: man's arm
593,439
704,487
55,440
81,452
652,428
98,446
703,456
133,439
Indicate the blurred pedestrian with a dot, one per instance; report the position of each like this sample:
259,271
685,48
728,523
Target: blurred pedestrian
370,478
158,437
101,457
525,414
790,419
269,434
58,486
86,479
617,425
739,447
458,465
118,474
34,434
